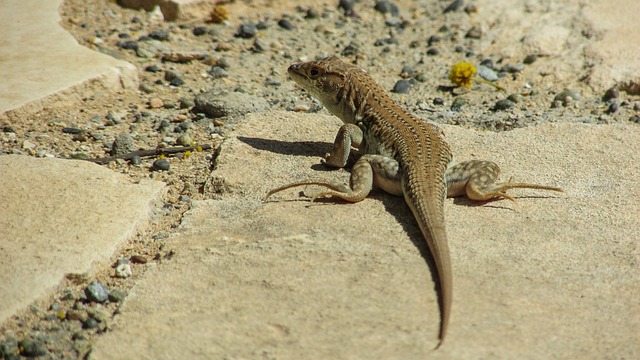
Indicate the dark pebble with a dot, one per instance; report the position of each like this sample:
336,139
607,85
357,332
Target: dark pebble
161,165
123,36
407,71
161,35
488,63
247,30
138,259
176,82
78,335
459,49
454,6
96,292
432,40
171,74
8,129
90,323
128,45
513,68
136,160
116,296
70,130
183,126
530,59
613,107
32,348
503,104
286,24
350,50
217,72
634,119
433,51
153,68
199,30
458,103
612,93
438,101
346,5
402,87
386,6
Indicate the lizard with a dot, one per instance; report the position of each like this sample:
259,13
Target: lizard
399,153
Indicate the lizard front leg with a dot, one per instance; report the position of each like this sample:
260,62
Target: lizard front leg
370,169
349,135
476,179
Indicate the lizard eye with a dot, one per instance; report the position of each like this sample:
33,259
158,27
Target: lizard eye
314,73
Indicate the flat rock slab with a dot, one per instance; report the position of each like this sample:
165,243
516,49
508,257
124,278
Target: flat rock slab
59,217
39,59
553,276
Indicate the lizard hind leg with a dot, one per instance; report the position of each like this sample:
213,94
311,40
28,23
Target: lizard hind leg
477,178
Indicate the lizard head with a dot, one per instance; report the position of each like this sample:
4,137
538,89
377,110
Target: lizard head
322,78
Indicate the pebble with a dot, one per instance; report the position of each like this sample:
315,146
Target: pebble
71,130
217,72
123,144
486,73
146,87
516,98
161,35
346,5
438,101
312,13
286,24
121,261
184,140
32,348
530,59
176,82
513,68
503,104
155,103
247,30
402,87
74,314
186,103
96,292
128,45
387,7
433,39
136,160
613,107
634,119
138,259
566,97
454,6
116,296
457,104
90,323
433,51
28,145
153,68
161,165
474,33
610,94
199,30
123,271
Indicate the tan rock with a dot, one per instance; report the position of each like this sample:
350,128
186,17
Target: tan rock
553,275
62,216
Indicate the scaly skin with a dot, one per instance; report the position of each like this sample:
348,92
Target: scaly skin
400,153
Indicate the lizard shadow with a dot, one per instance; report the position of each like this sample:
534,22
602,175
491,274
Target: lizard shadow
301,148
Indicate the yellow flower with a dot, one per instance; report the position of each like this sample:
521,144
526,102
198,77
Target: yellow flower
462,74
186,154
